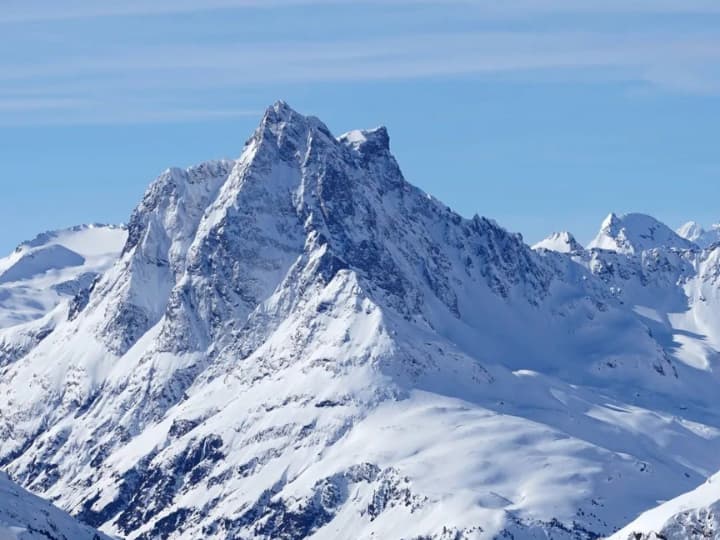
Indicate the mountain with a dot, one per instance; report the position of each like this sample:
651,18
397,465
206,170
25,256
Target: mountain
24,516
562,242
694,232
299,343
634,233
690,516
691,230
40,278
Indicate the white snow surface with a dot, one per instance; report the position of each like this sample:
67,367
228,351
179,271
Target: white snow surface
562,242
634,233
24,516
691,516
301,344
41,277
40,272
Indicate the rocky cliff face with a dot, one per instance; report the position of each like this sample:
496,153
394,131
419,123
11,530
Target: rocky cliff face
300,343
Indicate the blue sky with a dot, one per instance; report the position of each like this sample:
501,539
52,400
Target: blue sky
545,115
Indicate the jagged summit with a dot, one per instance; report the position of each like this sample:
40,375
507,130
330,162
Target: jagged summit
634,233
562,242
281,119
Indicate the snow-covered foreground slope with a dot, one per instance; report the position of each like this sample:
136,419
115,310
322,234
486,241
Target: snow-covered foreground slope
41,277
691,516
24,516
299,343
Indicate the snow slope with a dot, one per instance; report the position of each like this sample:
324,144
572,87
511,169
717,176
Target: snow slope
691,516
24,516
299,343
42,276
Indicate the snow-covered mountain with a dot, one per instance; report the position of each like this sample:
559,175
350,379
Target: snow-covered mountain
24,516
40,278
299,343
633,233
695,232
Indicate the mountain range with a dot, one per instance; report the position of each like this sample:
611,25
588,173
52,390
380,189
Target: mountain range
299,343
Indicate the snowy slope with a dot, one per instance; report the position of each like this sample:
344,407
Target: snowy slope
691,516
299,343
24,516
42,276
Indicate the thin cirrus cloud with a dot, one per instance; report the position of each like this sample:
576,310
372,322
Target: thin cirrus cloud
47,10
401,57
130,83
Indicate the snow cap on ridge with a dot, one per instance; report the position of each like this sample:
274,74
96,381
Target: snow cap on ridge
695,232
691,230
562,242
634,233
367,140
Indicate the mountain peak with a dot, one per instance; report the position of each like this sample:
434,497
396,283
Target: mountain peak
253,363
288,131
691,230
280,111
280,115
694,232
562,242
635,232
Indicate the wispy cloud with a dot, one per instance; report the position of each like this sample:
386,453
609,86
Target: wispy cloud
164,79
39,103
640,57
48,10
110,114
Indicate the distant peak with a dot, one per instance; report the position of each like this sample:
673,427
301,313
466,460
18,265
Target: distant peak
694,232
633,233
562,242
691,230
